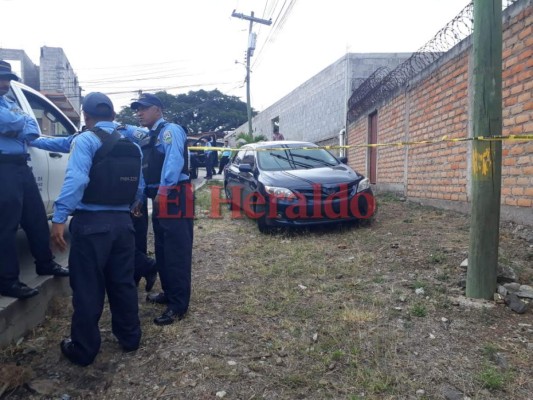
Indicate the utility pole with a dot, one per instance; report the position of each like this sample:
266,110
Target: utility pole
249,52
486,155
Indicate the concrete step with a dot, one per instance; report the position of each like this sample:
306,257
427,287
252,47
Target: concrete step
18,317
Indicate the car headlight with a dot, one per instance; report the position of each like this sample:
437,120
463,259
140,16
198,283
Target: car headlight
364,184
280,192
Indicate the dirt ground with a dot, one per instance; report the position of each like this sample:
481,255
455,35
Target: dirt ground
345,312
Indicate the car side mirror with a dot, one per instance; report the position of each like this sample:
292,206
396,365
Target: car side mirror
245,168
344,160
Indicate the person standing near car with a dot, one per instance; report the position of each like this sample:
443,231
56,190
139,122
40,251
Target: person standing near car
102,181
165,170
224,158
214,155
20,200
208,159
145,266
276,135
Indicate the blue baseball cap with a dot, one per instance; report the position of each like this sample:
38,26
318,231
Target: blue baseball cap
98,105
6,73
146,100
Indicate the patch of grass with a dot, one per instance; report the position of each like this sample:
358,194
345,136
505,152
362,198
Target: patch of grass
337,355
490,350
491,378
437,258
295,381
419,285
376,382
418,310
358,314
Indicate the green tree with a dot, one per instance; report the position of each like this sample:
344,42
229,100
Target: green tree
244,138
200,111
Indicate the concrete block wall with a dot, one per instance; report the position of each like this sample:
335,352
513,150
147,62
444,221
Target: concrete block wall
57,75
438,103
316,110
30,71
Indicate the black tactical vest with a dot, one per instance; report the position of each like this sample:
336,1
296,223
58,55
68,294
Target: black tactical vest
153,159
115,172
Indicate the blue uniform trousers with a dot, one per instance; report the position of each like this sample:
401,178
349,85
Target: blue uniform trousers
20,203
173,234
143,263
101,261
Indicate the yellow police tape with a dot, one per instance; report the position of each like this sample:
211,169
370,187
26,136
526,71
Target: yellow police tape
335,147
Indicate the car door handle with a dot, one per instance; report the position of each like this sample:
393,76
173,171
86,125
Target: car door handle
55,155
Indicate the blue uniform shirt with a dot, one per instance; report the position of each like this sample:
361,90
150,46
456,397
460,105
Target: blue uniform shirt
226,153
63,144
13,119
171,142
83,149
208,152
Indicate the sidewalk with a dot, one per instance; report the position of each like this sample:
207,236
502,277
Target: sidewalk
18,317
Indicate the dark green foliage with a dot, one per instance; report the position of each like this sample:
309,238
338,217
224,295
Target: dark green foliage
200,111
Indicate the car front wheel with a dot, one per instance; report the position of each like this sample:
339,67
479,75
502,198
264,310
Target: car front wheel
262,219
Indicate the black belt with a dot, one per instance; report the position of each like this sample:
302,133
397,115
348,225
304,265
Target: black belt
20,159
77,212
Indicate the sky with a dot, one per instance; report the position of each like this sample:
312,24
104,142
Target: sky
120,47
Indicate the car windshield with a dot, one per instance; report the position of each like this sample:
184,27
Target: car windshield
294,158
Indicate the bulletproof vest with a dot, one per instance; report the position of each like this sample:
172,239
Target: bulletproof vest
153,159
115,171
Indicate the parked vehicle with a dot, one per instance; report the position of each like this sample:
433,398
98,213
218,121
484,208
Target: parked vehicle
289,183
197,157
48,167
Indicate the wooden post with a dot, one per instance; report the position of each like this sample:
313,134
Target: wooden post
486,155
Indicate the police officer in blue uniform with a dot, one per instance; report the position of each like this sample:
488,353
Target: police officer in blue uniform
165,170
145,266
101,182
20,200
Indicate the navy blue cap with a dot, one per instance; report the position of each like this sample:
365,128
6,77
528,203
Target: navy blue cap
6,73
98,105
147,100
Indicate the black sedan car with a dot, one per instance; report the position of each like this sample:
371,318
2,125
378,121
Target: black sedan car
289,183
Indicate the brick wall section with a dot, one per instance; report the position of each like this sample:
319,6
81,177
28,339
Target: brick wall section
391,160
437,104
357,155
517,86
436,110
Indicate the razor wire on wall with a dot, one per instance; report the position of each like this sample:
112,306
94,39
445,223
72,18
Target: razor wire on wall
383,81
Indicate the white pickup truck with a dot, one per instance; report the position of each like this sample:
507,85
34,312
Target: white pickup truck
48,167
